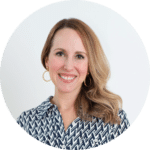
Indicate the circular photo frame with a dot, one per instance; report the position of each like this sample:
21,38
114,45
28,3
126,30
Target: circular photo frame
21,70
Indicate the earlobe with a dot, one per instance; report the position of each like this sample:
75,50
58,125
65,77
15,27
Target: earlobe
47,68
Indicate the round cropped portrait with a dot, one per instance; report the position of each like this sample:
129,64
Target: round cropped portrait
75,78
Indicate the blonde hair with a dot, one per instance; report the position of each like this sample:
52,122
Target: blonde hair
94,99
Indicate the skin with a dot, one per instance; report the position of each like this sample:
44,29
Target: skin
69,56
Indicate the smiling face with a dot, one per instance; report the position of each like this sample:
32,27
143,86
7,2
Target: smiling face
67,61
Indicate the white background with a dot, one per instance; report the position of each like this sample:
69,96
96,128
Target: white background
21,70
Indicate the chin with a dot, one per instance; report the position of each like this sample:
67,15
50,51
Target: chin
65,90
68,89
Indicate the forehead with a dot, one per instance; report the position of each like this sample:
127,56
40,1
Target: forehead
68,39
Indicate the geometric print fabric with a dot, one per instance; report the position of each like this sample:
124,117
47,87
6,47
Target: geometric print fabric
46,125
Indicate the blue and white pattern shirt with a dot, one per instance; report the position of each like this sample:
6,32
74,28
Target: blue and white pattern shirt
46,125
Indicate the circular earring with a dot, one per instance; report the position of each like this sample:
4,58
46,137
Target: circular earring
85,83
44,75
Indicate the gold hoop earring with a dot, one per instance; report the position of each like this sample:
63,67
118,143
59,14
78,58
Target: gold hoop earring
85,83
44,78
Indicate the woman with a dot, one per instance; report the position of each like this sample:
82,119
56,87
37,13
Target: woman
82,113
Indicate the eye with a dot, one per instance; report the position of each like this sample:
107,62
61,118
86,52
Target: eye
59,53
80,56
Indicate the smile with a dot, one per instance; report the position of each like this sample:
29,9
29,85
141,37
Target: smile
67,77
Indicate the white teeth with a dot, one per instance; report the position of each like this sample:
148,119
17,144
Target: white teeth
67,78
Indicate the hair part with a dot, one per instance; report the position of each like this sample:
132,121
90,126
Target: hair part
94,100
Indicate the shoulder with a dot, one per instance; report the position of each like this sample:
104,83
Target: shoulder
118,129
123,116
121,113
34,113
105,132
25,116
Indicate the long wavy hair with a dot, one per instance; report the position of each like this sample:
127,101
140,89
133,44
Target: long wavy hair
94,99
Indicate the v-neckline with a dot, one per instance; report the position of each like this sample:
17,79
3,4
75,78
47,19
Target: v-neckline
69,125
62,119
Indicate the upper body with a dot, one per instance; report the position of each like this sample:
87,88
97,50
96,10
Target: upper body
83,113
45,123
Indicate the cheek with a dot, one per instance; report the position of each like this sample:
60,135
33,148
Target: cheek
55,64
83,68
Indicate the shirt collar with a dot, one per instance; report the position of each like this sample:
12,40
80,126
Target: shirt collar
45,107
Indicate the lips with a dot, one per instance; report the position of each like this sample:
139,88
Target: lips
67,78
67,75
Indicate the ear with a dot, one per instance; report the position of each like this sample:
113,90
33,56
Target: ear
46,62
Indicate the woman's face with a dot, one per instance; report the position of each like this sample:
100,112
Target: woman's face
67,61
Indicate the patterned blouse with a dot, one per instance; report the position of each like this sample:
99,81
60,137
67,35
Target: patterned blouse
46,125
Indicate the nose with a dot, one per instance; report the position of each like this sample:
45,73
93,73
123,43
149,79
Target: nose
69,64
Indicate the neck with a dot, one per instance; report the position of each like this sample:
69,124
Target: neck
64,101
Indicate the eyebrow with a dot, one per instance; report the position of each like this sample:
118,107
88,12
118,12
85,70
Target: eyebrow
65,50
